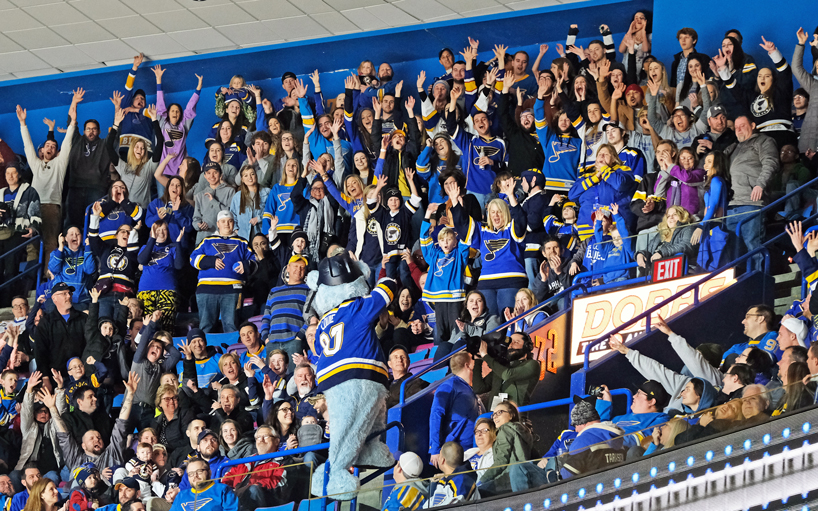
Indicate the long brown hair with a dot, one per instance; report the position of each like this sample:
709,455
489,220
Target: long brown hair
35,499
246,199
166,195
795,386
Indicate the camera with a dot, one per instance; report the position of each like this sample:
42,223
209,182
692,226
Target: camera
596,391
498,346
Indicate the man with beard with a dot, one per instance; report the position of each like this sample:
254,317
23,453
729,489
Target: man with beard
524,149
88,172
127,491
719,137
208,452
516,377
92,448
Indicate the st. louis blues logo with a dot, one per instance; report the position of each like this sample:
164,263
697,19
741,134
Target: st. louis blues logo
392,233
175,134
113,215
761,106
372,226
224,248
72,263
158,255
487,151
442,263
591,141
117,261
494,246
196,505
560,148
284,198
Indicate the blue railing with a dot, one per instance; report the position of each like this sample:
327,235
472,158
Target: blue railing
31,269
565,401
565,293
768,207
646,315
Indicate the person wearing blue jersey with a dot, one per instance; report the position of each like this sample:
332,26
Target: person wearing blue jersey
74,264
280,205
232,140
483,154
436,158
202,493
617,249
203,362
351,371
116,209
161,258
710,235
561,144
445,281
137,124
173,209
409,492
646,411
759,327
605,182
224,263
631,157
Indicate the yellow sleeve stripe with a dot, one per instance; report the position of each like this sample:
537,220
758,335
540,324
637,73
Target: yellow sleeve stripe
130,81
812,277
540,123
470,85
197,261
430,115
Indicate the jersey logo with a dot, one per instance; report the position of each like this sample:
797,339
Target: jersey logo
175,134
487,151
117,261
494,246
113,215
761,106
196,505
442,263
284,198
558,148
158,255
591,141
72,264
224,248
392,233
372,226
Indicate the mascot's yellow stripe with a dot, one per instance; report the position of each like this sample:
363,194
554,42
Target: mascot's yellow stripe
353,366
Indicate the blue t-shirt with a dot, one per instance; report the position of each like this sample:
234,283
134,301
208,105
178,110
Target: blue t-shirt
65,317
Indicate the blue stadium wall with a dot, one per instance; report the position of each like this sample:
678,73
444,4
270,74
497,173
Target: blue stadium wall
334,57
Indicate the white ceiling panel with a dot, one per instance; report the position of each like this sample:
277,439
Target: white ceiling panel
110,53
87,32
155,45
56,14
217,15
17,19
336,23
64,57
129,26
49,36
36,38
266,10
300,27
20,61
102,9
202,39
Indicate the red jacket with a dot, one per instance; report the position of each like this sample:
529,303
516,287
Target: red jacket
266,474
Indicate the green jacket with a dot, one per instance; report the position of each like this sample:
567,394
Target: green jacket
517,380
513,445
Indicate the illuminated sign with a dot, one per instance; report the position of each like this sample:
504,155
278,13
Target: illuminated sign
670,268
550,343
594,315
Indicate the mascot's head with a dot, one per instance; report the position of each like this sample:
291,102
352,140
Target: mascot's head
338,278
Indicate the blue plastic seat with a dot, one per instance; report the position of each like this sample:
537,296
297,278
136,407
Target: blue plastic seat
433,376
418,356
315,505
283,507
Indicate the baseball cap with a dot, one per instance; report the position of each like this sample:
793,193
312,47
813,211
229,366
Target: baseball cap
205,433
797,327
211,165
298,259
656,391
683,108
224,214
411,464
288,74
615,124
128,482
716,110
61,286
397,131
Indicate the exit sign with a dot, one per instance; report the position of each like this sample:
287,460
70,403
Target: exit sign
670,268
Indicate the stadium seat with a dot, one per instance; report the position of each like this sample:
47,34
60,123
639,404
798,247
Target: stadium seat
418,356
420,365
432,352
315,505
433,376
237,348
424,347
283,507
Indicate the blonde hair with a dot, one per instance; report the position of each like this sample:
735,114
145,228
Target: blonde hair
229,356
504,212
161,391
131,159
529,294
352,177
663,83
446,231
613,152
240,77
284,170
666,232
675,425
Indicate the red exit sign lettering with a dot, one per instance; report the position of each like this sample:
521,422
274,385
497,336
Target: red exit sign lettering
670,268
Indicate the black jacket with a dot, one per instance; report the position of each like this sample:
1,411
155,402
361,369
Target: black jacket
57,341
411,389
78,423
175,430
524,149
675,66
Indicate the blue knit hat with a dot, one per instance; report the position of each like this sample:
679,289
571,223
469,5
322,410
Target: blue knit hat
81,473
196,333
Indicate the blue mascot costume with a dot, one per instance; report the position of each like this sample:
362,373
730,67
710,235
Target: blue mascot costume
352,371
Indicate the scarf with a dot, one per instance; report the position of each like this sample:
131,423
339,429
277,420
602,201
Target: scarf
319,221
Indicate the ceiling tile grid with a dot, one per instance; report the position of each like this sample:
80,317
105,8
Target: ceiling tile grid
40,37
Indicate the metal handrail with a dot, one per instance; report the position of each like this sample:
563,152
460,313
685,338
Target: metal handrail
443,361
591,273
564,401
646,315
37,267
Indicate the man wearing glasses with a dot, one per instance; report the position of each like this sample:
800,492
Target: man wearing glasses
758,327
255,482
204,494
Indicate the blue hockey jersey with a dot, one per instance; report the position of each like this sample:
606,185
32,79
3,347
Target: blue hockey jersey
445,280
231,250
347,345
562,152
281,206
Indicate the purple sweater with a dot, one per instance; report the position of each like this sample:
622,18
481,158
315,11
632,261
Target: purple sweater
176,134
678,186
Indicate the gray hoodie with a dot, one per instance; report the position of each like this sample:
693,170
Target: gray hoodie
752,163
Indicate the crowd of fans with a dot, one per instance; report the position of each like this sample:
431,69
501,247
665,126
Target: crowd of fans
487,190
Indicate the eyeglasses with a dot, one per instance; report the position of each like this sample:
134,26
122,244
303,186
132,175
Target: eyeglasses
170,399
201,472
263,438
498,412
746,316
483,431
285,410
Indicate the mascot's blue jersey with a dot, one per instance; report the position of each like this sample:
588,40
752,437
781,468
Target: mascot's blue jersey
348,347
